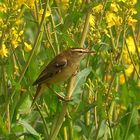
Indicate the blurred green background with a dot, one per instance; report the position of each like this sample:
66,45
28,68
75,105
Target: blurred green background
106,96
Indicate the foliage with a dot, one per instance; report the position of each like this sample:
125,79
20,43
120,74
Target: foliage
105,100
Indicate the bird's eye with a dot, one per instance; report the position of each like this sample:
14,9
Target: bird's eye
80,52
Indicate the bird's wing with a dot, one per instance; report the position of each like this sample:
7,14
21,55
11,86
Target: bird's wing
51,69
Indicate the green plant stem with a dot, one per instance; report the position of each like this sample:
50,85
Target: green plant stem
65,134
103,11
39,34
54,30
36,44
98,129
70,130
5,94
128,125
136,45
43,119
8,119
132,61
49,40
123,43
85,29
107,101
95,112
112,39
61,117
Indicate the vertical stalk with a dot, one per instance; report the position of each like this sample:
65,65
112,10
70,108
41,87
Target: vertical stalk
5,93
128,125
39,35
65,134
86,27
61,117
59,122
36,43
54,30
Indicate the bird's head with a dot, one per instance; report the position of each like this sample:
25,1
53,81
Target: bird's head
79,53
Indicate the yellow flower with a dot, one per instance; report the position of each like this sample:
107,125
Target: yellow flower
16,70
15,43
106,33
48,13
80,1
92,20
19,22
132,22
19,3
131,2
21,33
125,58
131,44
98,8
114,7
109,16
30,3
3,51
122,0
14,33
132,11
118,20
27,47
129,70
122,79
63,4
112,19
3,8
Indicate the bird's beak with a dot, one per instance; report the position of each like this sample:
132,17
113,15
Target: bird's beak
88,51
93,52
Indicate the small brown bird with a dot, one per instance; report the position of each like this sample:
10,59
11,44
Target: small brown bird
61,68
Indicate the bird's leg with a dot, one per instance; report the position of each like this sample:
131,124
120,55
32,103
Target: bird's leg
63,98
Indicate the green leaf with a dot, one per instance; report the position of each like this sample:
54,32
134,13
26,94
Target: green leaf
81,78
29,128
25,106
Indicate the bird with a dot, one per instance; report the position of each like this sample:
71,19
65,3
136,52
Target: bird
61,68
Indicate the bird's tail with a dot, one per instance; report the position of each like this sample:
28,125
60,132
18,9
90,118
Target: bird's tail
38,93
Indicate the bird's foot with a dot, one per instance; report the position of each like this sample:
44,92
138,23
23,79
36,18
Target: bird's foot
67,98
64,98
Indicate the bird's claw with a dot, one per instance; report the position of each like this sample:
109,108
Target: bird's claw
65,98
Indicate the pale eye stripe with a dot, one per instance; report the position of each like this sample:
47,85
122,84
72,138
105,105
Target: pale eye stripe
79,50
